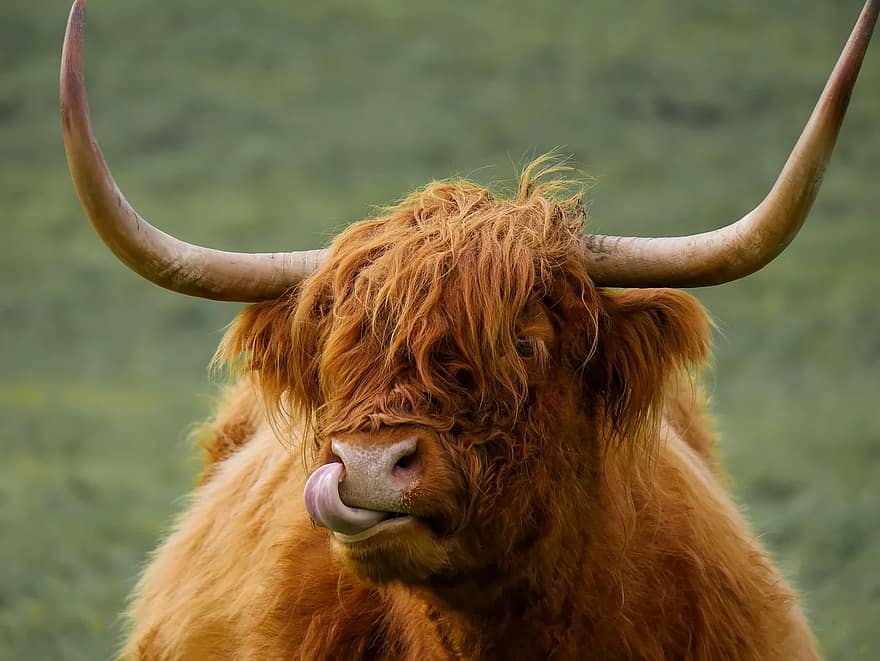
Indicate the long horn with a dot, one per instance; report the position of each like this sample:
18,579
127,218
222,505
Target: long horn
157,256
750,243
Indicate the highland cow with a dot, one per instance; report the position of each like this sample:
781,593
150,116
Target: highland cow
450,439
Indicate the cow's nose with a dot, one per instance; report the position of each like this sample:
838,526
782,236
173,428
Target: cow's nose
377,476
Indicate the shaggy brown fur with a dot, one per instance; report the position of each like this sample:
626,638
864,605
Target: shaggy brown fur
570,506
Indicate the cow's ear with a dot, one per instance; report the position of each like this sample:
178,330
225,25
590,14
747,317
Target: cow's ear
259,342
645,338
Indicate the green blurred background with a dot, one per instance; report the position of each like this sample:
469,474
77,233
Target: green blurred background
269,125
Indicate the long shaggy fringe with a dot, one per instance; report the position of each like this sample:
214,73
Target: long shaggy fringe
446,272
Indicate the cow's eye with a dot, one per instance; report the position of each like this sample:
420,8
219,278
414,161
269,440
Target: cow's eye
525,347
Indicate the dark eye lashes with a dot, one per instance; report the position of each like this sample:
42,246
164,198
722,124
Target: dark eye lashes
525,347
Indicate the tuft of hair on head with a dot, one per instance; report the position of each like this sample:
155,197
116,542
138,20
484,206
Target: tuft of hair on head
538,180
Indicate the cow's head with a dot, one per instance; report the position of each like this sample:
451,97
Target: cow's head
458,362
461,370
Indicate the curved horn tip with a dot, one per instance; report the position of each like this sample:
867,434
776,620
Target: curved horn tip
73,40
77,15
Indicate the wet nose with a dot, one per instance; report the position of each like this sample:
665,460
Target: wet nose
377,476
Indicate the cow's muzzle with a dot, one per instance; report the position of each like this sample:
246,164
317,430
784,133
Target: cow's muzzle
368,484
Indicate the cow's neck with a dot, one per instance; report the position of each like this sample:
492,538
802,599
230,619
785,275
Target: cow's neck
509,622
520,610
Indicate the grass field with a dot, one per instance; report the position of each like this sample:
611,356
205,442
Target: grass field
268,125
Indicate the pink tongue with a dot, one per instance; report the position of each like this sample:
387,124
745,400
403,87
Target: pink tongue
326,507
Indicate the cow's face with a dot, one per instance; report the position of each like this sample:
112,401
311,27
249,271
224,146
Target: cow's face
463,378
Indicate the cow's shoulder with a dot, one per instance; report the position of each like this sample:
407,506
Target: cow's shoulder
198,595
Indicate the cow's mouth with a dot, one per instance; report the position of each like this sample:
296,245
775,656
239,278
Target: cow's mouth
349,524
390,525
